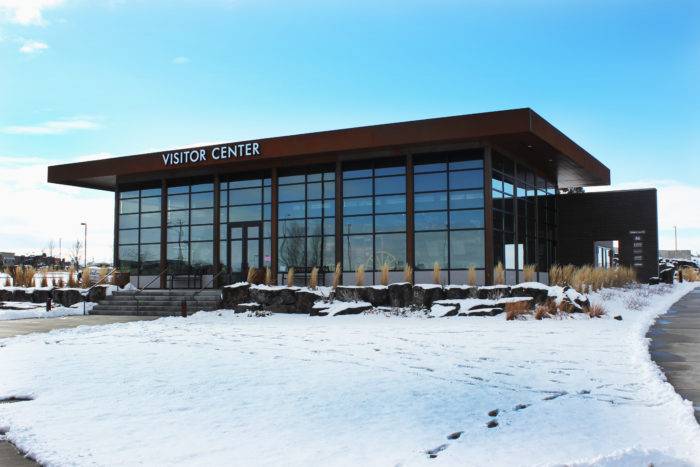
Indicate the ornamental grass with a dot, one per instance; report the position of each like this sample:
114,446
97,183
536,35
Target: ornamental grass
408,274
337,275
290,277
384,274
471,275
499,274
515,310
313,279
251,276
529,273
436,273
360,275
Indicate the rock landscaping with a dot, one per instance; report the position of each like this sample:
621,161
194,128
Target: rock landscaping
430,299
59,296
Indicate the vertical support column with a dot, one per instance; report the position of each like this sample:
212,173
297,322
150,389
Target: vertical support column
516,238
217,230
410,218
116,227
163,232
274,215
339,213
488,218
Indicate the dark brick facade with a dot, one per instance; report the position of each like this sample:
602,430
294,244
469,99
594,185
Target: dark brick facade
629,216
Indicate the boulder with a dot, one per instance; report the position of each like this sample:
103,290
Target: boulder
494,292
232,296
67,297
461,293
351,294
654,280
355,310
5,295
245,307
400,295
41,295
666,275
424,296
273,296
378,296
444,309
574,301
21,295
538,295
488,311
97,293
304,301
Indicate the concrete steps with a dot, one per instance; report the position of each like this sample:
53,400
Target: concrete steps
158,302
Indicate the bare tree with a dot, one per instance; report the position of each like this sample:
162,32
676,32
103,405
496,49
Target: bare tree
75,253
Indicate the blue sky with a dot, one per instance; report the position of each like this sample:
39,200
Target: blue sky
81,78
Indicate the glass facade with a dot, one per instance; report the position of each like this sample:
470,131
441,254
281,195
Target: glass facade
139,231
374,216
446,206
449,210
524,216
190,229
306,221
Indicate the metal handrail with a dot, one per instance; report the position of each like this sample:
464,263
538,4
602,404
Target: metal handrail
87,292
146,286
208,283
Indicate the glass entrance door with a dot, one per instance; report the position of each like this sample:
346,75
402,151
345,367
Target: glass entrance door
245,249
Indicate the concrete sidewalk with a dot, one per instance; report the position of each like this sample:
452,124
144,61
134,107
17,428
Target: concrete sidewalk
16,327
9,456
675,347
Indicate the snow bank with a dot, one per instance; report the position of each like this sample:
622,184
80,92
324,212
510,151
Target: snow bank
24,310
220,388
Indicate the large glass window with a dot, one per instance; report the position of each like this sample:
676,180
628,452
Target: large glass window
449,210
306,221
374,216
139,231
248,201
190,229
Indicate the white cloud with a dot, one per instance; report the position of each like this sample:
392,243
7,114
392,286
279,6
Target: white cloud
53,127
34,211
26,12
31,47
180,60
677,206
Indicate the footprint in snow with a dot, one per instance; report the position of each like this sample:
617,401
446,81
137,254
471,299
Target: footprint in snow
554,396
455,435
522,406
432,453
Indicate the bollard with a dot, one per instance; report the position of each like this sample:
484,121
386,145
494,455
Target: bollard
48,303
680,275
183,308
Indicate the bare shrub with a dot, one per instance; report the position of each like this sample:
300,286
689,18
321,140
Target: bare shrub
635,302
471,275
436,273
499,274
596,310
290,277
408,274
529,273
516,310
360,275
313,279
337,275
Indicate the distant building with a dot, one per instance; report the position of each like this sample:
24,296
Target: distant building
7,258
676,254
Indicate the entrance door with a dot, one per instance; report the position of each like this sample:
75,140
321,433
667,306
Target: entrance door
245,249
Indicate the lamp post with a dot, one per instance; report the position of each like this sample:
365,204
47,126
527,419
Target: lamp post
84,224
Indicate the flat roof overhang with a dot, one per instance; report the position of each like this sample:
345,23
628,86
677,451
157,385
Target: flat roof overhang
520,132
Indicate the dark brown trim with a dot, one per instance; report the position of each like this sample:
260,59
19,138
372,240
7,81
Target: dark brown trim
410,215
116,228
339,214
163,232
520,130
516,221
488,218
217,229
274,215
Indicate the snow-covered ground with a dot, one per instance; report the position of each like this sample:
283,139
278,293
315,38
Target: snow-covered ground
23,310
224,389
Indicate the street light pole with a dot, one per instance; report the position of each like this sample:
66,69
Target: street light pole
84,224
675,234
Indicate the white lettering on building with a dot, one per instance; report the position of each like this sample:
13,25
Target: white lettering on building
195,156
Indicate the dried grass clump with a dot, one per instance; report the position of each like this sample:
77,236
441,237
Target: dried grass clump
337,275
24,276
566,307
529,273
596,310
384,274
61,283
313,279
690,274
436,273
516,310
85,279
360,275
8,282
546,310
290,277
471,275
103,273
408,274
251,276
71,278
499,274
587,278
44,280
268,276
